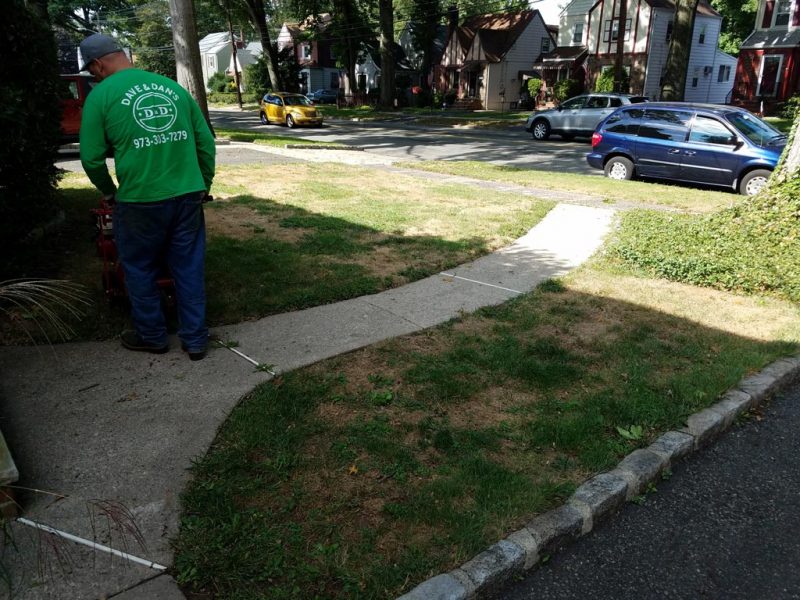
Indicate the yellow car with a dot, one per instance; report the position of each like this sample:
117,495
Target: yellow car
289,108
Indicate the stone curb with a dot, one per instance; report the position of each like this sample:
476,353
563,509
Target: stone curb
601,496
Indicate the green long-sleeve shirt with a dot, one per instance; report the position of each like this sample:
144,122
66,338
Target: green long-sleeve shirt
161,143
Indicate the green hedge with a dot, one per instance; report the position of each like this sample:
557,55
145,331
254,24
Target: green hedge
230,98
29,119
751,248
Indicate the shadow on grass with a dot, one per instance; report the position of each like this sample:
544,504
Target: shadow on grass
248,275
362,475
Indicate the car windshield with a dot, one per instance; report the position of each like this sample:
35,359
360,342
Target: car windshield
754,129
296,101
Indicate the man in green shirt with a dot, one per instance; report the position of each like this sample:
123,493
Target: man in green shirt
164,158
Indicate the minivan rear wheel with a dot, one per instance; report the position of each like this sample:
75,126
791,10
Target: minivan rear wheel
754,182
619,168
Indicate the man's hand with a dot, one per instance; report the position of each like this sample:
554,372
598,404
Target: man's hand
110,199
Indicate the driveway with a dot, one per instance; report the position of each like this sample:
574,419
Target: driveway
406,141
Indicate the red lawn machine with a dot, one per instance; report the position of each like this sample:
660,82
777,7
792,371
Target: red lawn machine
113,276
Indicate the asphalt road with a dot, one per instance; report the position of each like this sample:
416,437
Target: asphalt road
69,160
407,141
726,525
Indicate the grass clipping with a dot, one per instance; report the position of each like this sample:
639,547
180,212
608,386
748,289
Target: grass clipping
752,248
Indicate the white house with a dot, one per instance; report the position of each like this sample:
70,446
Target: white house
587,44
215,54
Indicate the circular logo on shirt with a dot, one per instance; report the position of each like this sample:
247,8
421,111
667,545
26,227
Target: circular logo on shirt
154,112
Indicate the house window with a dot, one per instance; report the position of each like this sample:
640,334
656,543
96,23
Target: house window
334,81
577,33
670,25
305,51
724,73
702,39
331,54
611,30
545,45
783,13
770,75
696,77
212,62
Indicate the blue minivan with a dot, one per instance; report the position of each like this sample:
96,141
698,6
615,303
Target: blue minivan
696,143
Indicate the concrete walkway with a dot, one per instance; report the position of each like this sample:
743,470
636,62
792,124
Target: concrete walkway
91,424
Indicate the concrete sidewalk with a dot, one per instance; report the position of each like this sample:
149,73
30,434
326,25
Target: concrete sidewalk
91,421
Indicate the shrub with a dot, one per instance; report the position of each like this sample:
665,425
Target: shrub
566,88
30,121
449,97
231,98
750,248
791,108
534,87
605,82
220,82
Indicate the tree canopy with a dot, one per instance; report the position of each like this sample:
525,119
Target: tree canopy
738,20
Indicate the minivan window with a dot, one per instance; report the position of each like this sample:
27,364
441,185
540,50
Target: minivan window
615,102
624,121
710,131
665,124
754,129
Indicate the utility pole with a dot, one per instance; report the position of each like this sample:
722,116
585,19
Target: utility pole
187,52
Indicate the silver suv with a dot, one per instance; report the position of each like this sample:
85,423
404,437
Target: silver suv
577,116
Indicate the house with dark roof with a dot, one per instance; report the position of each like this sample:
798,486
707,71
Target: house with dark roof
587,45
314,52
369,66
414,56
768,71
486,57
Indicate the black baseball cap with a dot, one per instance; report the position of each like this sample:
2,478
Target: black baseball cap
97,46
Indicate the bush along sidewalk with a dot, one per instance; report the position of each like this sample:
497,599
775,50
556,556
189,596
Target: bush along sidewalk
366,474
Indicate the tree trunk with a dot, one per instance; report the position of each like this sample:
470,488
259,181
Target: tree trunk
235,61
387,55
674,84
258,17
619,71
187,52
348,21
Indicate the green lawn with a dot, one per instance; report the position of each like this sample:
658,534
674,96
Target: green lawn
363,475
608,190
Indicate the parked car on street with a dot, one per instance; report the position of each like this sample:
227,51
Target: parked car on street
288,108
76,88
696,143
323,96
577,116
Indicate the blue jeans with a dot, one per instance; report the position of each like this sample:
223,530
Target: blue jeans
150,235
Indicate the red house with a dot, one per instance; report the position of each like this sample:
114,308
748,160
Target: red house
768,71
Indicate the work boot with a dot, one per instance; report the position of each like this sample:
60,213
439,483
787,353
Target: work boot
198,354
131,341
